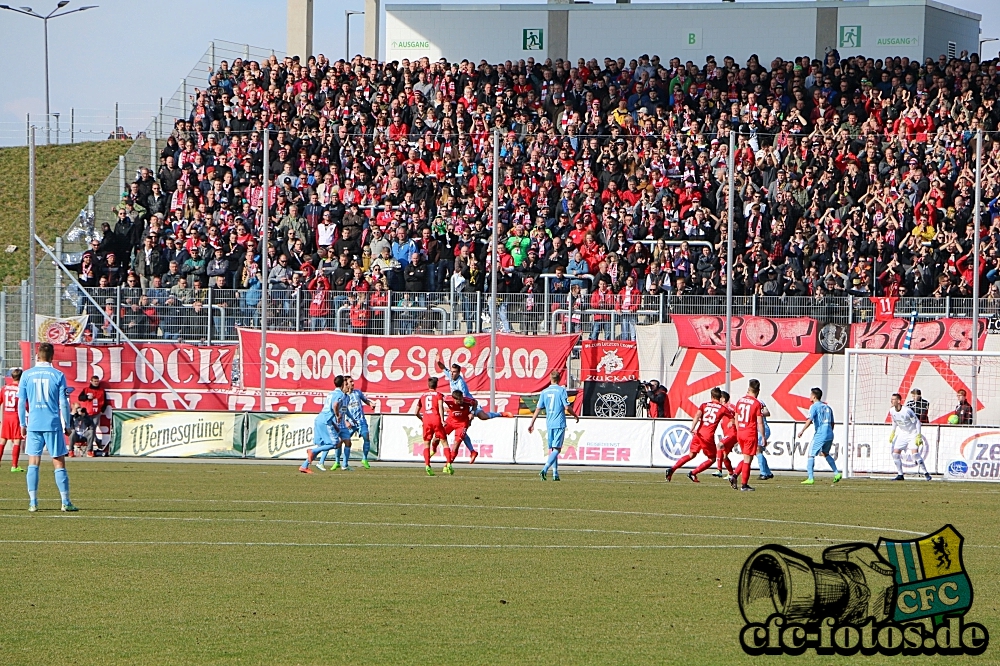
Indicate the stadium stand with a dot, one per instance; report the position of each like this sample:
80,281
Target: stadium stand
854,178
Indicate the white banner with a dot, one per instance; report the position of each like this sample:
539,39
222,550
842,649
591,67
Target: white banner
871,452
60,330
178,434
289,436
604,442
402,440
969,454
672,440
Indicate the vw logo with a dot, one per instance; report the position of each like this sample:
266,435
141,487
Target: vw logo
958,468
675,441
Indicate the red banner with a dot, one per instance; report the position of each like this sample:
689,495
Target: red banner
185,367
791,334
387,365
609,361
936,335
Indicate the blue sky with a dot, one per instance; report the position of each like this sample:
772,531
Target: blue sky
133,51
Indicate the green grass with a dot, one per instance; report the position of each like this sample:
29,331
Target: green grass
67,175
225,563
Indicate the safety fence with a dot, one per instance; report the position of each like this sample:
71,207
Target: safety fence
955,452
191,312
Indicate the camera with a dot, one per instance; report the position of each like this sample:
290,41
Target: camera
851,584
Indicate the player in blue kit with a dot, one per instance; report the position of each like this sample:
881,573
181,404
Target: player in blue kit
356,402
43,410
328,427
555,401
821,418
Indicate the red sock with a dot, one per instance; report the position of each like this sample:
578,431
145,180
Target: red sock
746,473
2,447
448,457
427,454
681,462
15,455
739,468
702,467
724,460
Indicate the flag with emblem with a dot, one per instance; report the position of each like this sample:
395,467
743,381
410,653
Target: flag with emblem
930,576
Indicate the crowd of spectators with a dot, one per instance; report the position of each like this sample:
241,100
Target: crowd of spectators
853,176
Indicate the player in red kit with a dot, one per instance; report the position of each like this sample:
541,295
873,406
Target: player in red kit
430,411
749,431
460,411
703,427
11,429
728,440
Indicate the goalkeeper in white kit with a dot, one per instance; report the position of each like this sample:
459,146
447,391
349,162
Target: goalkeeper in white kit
905,434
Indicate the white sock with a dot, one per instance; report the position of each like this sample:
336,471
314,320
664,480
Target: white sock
920,464
898,461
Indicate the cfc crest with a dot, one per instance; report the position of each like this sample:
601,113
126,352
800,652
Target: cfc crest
930,576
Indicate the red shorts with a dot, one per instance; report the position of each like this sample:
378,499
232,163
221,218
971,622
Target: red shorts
11,429
748,444
433,430
458,428
701,445
728,443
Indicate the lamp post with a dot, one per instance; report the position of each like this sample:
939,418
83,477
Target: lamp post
28,11
348,13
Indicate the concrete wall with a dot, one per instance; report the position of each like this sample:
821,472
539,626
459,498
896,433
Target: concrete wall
941,27
691,34
885,31
877,28
488,34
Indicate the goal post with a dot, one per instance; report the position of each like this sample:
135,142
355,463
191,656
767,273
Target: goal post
871,376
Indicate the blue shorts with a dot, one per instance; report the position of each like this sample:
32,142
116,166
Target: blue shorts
556,436
344,433
821,446
323,434
52,440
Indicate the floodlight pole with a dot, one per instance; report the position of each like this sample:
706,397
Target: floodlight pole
977,217
31,244
264,232
493,269
729,261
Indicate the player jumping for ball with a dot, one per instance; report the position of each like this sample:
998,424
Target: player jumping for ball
821,418
11,429
749,433
555,401
728,441
703,428
430,411
457,383
905,434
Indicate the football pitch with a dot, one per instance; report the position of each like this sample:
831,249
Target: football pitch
221,563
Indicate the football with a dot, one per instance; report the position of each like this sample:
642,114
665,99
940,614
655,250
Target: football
953,419
469,342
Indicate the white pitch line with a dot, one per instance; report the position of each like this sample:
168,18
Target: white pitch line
406,525
650,514
272,544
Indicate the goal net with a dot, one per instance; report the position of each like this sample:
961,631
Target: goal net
872,376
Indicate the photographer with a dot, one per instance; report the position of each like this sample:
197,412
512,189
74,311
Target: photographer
657,399
83,431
